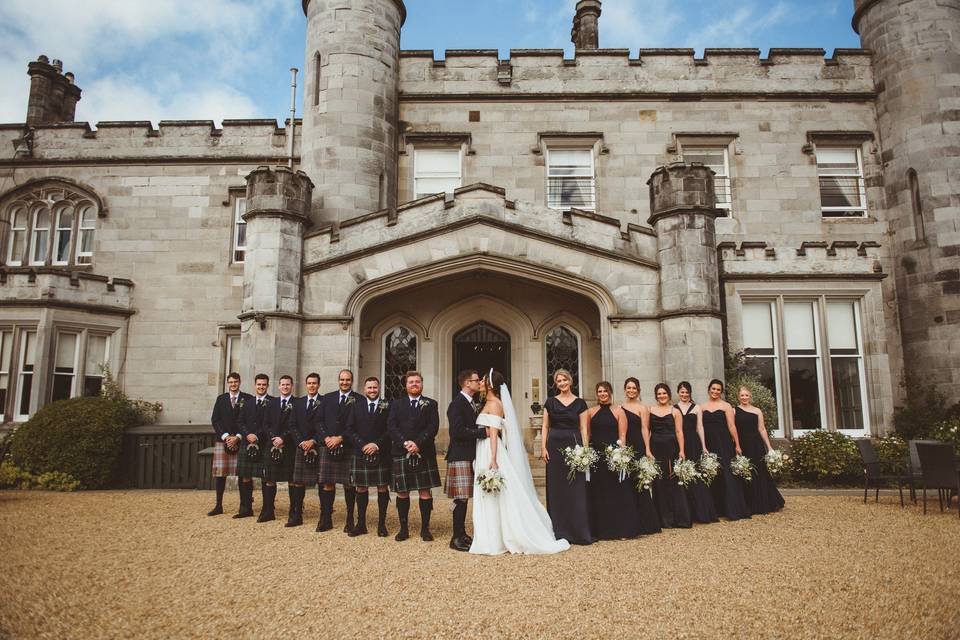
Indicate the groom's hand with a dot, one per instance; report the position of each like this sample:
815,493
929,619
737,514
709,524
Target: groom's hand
371,449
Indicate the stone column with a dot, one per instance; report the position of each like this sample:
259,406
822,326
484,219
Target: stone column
278,206
683,213
586,29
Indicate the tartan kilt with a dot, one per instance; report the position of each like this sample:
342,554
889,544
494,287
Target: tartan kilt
459,484
426,476
303,473
224,463
331,470
282,472
247,468
363,474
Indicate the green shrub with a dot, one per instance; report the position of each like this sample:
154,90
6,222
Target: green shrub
139,412
925,409
80,437
825,457
892,452
948,431
13,477
739,372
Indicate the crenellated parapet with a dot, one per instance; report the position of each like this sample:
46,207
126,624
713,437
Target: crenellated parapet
814,258
240,140
655,73
64,288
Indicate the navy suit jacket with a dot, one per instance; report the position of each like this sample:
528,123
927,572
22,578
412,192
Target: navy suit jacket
309,423
363,428
464,433
281,424
335,417
227,419
420,425
254,418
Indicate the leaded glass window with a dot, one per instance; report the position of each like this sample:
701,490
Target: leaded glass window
399,356
563,352
53,223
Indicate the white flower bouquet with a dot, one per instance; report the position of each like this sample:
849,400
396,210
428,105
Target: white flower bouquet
685,472
491,481
620,459
775,461
740,466
647,470
579,459
709,467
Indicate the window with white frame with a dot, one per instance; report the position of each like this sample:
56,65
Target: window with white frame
65,366
842,189
50,224
95,361
562,351
79,362
239,229
820,383
571,180
436,171
399,356
26,363
718,159
231,360
6,353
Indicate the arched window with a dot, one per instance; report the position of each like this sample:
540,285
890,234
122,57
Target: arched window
917,204
562,352
399,356
50,223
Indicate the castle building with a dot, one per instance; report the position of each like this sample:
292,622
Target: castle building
613,215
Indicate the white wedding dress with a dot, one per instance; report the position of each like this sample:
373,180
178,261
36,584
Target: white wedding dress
512,520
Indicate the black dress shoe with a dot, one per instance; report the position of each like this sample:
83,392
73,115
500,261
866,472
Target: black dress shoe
324,525
459,544
425,535
467,539
402,535
382,531
266,516
217,510
358,530
348,527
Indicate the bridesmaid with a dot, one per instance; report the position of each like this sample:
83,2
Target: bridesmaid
716,422
565,424
762,494
666,445
702,508
613,509
638,436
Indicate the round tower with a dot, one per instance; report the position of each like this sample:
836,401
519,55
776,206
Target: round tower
349,144
916,61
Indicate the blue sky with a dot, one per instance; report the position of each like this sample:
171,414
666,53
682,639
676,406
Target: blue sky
215,59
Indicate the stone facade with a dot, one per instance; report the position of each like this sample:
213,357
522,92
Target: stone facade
340,257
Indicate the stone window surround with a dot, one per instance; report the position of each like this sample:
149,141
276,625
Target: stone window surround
839,139
234,196
80,372
384,334
729,141
592,141
546,369
414,140
228,333
30,196
47,324
868,297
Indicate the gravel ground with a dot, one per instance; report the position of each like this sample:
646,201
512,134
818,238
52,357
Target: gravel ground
150,564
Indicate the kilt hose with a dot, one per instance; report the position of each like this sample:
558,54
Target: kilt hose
370,474
247,467
335,469
303,472
425,475
224,462
459,484
278,472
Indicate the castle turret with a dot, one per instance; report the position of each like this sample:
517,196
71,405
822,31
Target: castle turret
916,58
349,145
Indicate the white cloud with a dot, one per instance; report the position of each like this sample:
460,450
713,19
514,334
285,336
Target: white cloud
125,54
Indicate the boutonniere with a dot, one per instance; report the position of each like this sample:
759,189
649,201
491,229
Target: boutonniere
288,407
240,403
382,407
423,403
350,400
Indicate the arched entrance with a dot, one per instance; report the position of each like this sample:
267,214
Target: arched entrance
481,346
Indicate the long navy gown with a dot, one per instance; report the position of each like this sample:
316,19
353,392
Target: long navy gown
702,509
613,508
566,500
649,516
762,493
728,490
667,493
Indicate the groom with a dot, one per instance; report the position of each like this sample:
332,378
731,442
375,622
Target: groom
464,433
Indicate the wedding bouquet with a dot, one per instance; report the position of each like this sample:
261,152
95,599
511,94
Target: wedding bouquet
647,471
620,459
709,467
775,461
685,472
579,459
740,466
491,481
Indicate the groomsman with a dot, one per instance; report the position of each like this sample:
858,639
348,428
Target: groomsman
306,410
462,451
255,430
250,457
336,453
281,422
370,467
413,423
226,425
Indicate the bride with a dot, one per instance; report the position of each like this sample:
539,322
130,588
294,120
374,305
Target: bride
512,520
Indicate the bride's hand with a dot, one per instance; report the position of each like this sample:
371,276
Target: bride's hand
494,465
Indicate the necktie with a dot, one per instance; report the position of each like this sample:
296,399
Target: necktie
413,403
309,404
259,402
342,400
283,403
233,402
373,406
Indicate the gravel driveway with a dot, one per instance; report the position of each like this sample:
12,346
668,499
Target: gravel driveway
150,564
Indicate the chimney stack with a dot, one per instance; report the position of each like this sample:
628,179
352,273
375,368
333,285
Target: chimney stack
586,33
53,96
